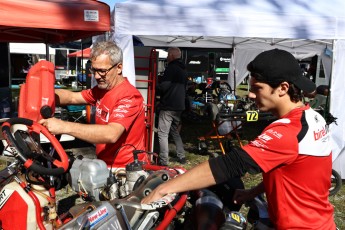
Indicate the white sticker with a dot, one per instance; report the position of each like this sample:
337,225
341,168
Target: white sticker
164,201
91,15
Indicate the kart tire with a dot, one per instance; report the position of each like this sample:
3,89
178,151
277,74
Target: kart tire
336,183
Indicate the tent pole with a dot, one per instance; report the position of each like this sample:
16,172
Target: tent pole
47,52
232,65
234,90
327,109
81,64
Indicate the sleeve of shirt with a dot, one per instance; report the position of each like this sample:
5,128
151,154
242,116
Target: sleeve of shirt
126,110
276,145
234,163
164,86
166,80
89,96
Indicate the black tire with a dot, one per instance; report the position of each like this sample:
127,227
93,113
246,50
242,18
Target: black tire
336,183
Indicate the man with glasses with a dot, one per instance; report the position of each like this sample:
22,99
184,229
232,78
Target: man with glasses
120,115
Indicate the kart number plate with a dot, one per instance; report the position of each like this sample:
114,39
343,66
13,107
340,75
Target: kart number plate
252,115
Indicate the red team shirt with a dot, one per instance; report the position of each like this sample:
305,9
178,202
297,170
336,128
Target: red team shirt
123,105
295,154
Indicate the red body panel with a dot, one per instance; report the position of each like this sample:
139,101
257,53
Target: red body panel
15,204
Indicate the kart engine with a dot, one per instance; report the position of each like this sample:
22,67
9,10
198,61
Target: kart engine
115,201
116,197
93,180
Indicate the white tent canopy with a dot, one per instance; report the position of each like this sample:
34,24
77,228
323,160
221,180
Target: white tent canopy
30,48
245,48
304,28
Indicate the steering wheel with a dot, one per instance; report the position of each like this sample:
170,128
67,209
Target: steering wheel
25,153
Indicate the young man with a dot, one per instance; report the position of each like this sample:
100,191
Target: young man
293,153
120,115
172,89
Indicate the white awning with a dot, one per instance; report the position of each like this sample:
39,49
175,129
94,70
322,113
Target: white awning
29,48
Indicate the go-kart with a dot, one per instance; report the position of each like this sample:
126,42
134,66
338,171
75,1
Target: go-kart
29,182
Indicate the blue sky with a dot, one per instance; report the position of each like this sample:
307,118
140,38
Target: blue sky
111,3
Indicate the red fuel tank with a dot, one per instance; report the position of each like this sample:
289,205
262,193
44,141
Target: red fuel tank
37,97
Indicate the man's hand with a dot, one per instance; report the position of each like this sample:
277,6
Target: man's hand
243,195
188,181
153,196
54,125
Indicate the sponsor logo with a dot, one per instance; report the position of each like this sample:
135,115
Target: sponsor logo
225,59
119,115
259,144
124,106
236,217
103,114
118,110
318,134
275,133
264,137
98,215
126,100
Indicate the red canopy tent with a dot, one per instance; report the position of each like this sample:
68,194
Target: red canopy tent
85,53
52,21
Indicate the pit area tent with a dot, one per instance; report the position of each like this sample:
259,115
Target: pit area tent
249,27
52,21
85,53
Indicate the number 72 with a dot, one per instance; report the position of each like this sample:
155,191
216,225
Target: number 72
252,115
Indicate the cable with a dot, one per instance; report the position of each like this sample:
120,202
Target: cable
115,155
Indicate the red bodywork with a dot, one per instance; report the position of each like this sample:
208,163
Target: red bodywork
15,204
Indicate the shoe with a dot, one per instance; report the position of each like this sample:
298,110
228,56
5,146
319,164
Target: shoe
181,160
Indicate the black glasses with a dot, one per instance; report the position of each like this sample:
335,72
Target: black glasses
102,72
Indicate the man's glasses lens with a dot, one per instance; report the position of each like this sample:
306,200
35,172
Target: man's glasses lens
101,72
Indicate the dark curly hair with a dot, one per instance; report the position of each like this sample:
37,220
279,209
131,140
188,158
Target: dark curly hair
294,92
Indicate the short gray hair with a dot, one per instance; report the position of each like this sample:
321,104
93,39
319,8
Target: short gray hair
175,52
109,48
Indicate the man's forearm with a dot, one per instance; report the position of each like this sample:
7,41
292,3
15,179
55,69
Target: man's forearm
62,96
92,133
67,97
196,178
